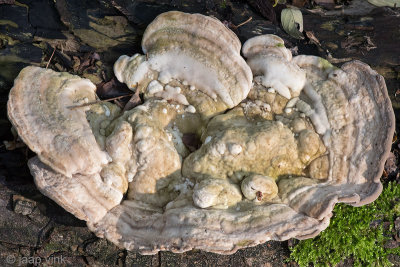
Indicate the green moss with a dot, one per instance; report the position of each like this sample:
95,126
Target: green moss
223,4
350,234
325,64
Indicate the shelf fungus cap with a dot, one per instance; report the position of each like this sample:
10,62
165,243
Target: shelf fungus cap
198,51
69,159
346,110
267,44
250,178
350,108
39,107
271,65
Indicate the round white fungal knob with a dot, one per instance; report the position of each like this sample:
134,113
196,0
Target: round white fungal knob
259,187
216,193
235,149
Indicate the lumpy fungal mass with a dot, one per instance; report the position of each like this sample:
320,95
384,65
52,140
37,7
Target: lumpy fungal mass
281,139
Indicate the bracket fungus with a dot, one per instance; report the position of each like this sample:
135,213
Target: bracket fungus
274,158
270,62
192,59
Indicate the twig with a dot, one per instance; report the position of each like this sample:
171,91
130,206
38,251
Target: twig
52,54
99,101
333,60
243,23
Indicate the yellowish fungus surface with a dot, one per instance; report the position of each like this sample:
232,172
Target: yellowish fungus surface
223,154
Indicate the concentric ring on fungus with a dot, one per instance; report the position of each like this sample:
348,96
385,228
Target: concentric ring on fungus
276,153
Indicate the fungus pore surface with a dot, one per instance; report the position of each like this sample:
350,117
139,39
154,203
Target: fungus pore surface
224,153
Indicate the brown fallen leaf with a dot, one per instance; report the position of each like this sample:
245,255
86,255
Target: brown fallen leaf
84,64
312,38
325,52
369,44
12,145
88,61
95,56
265,8
351,43
390,164
112,88
134,101
76,64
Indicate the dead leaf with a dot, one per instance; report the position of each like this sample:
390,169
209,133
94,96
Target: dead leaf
95,56
369,45
84,64
390,164
265,8
133,101
12,145
77,63
312,38
389,3
292,22
112,88
88,61
351,43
